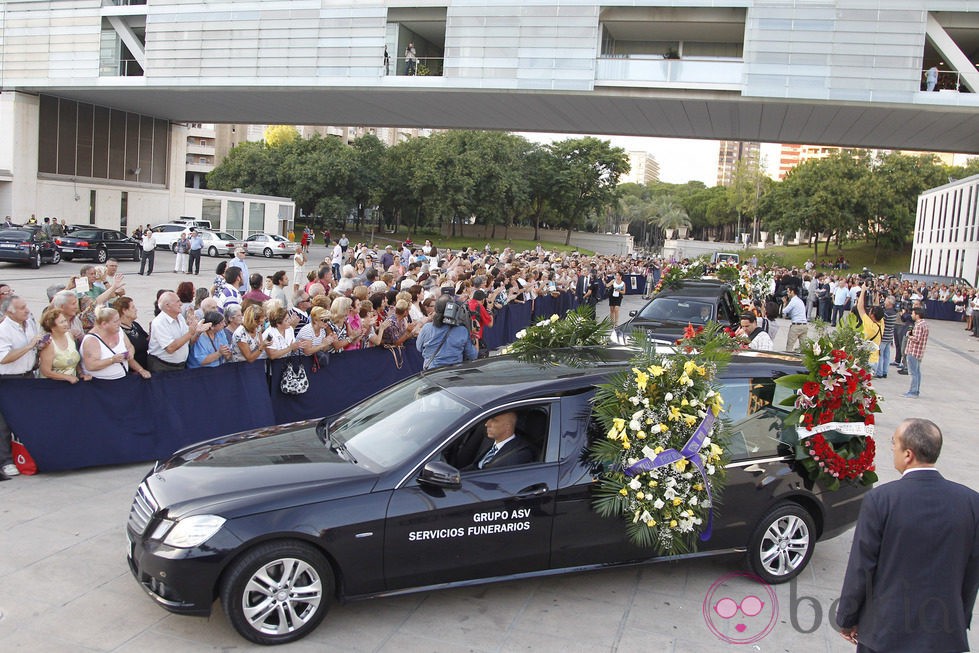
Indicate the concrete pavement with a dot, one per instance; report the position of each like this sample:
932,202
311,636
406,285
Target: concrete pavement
67,586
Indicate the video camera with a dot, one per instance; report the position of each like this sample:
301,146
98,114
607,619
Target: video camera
458,314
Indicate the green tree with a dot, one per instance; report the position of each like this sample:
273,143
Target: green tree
586,179
891,193
250,167
364,181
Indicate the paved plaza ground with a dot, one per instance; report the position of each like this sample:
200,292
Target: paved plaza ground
66,585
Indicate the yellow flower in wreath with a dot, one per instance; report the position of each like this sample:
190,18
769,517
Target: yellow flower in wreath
677,501
681,465
655,370
641,378
673,523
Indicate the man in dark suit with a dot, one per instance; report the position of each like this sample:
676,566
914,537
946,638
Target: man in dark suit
911,581
507,449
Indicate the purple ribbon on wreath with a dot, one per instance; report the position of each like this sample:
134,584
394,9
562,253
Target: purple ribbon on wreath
690,451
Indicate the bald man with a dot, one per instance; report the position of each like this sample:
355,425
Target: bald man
913,573
507,449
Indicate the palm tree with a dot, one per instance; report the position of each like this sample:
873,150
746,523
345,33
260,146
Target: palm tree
668,216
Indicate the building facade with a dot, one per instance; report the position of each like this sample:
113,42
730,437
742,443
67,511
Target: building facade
732,153
643,169
946,231
835,72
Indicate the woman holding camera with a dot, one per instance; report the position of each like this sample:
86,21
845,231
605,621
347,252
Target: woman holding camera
106,352
61,360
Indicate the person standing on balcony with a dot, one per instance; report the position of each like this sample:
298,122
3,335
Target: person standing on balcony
411,59
931,78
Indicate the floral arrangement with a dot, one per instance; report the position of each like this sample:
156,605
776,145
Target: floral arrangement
662,453
674,273
833,407
577,329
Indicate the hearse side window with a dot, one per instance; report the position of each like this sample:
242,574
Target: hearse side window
754,423
532,430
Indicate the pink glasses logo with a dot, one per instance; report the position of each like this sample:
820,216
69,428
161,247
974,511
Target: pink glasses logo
740,608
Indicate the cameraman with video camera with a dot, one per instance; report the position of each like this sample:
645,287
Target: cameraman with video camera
447,340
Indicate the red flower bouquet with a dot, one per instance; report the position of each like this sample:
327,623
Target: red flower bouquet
833,408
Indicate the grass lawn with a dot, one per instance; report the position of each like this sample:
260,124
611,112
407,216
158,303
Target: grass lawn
859,254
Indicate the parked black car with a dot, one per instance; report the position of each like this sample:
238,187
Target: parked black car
28,244
279,521
694,301
97,244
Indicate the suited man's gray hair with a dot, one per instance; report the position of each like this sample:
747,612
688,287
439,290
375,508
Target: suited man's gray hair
923,438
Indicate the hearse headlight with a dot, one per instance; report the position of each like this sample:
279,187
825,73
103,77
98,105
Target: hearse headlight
189,532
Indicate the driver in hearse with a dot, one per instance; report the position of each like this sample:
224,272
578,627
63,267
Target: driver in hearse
507,448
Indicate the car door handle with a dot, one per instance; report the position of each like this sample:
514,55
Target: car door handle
532,491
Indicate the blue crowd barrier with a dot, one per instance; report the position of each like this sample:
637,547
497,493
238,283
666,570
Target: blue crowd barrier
132,419
348,378
943,311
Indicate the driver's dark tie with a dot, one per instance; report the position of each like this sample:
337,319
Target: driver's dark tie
490,455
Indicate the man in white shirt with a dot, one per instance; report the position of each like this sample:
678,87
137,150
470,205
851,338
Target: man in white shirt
171,336
149,251
841,297
239,262
337,260
795,312
758,338
18,356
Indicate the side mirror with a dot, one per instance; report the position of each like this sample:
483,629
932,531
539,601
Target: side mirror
440,474
633,313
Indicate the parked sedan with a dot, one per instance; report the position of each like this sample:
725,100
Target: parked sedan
219,243
385,497
97,244
269,245
28,244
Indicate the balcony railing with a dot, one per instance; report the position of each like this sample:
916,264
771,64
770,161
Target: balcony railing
655,71
946,80
423,66
120,68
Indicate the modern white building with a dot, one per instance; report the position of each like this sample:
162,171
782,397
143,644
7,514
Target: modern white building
833,72
643,169
946,231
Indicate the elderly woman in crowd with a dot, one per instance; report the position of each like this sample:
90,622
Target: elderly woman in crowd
212,348
61,360
137,335
233,318
399,329
247,344
317,333
280,339
340,310
106,352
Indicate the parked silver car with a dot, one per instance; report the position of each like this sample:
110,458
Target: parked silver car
269,245
220,243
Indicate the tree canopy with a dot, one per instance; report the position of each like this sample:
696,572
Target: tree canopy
497,179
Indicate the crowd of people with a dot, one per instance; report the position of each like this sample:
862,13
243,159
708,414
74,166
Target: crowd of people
361,297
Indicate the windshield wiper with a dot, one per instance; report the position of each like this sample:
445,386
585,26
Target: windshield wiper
336,446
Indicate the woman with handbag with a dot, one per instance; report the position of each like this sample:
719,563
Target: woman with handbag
106,352
280,340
